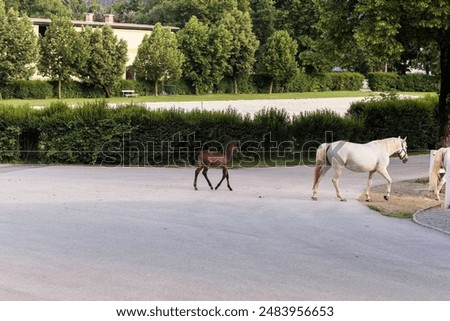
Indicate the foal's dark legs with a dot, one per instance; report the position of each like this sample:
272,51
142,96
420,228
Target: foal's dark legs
195,177
225,175
205,171
197,171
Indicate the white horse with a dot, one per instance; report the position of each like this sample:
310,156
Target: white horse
436,181
370,157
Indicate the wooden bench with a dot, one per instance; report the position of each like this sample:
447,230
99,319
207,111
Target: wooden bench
129,93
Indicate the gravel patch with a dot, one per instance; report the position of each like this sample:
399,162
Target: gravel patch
292,106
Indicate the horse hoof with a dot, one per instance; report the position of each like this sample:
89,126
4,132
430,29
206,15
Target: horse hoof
368,200
386,197
343,200
314,198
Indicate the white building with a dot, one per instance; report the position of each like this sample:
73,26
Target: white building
130,32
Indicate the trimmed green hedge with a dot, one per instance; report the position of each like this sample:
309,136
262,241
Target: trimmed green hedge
27,89
387,81
18,133
330,81
94,133
414,118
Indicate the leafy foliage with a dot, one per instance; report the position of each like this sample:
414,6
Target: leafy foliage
207,50
277,58
386,81
94,133
18,46
65,52
243,45
158,58
105,59
414,118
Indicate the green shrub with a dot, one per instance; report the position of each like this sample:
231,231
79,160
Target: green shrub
18,134
418,82
324,125
300,83
27,89
274,124
414,118
75,135
93,133
342,81
76,89
382,81
386,81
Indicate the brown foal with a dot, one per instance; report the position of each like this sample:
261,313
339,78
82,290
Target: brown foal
206,159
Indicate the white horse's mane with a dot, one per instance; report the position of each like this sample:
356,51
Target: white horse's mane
390,144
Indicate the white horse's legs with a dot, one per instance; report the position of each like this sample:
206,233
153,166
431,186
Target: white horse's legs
388,178
338,172
320,171
369,184
438,189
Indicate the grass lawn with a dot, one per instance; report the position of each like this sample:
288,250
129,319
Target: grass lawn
209,97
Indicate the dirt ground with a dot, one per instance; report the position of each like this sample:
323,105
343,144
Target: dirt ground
407,197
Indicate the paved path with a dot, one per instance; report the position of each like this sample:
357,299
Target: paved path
93,233
435,218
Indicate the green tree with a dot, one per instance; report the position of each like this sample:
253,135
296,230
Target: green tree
383,31
63,51
277,58
207,50
158,58
44,8
243,45
335,35
78,8
299,18
126,11
265,18
18,46
207,11
106,58
154,11
97,9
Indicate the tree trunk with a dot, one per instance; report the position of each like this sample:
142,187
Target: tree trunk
444,102
107,93
156,88
235,85
271,86
59,88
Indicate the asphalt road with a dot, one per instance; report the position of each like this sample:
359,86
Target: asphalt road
96,233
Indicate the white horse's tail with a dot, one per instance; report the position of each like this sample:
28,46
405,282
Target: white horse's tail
321,160
435,171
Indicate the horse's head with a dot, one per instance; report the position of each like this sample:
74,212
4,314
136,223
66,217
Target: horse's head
403,151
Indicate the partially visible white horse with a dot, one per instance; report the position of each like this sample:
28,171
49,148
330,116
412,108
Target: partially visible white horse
436,181
370,157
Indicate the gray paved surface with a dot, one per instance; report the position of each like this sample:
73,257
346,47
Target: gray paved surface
90,233
435,218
